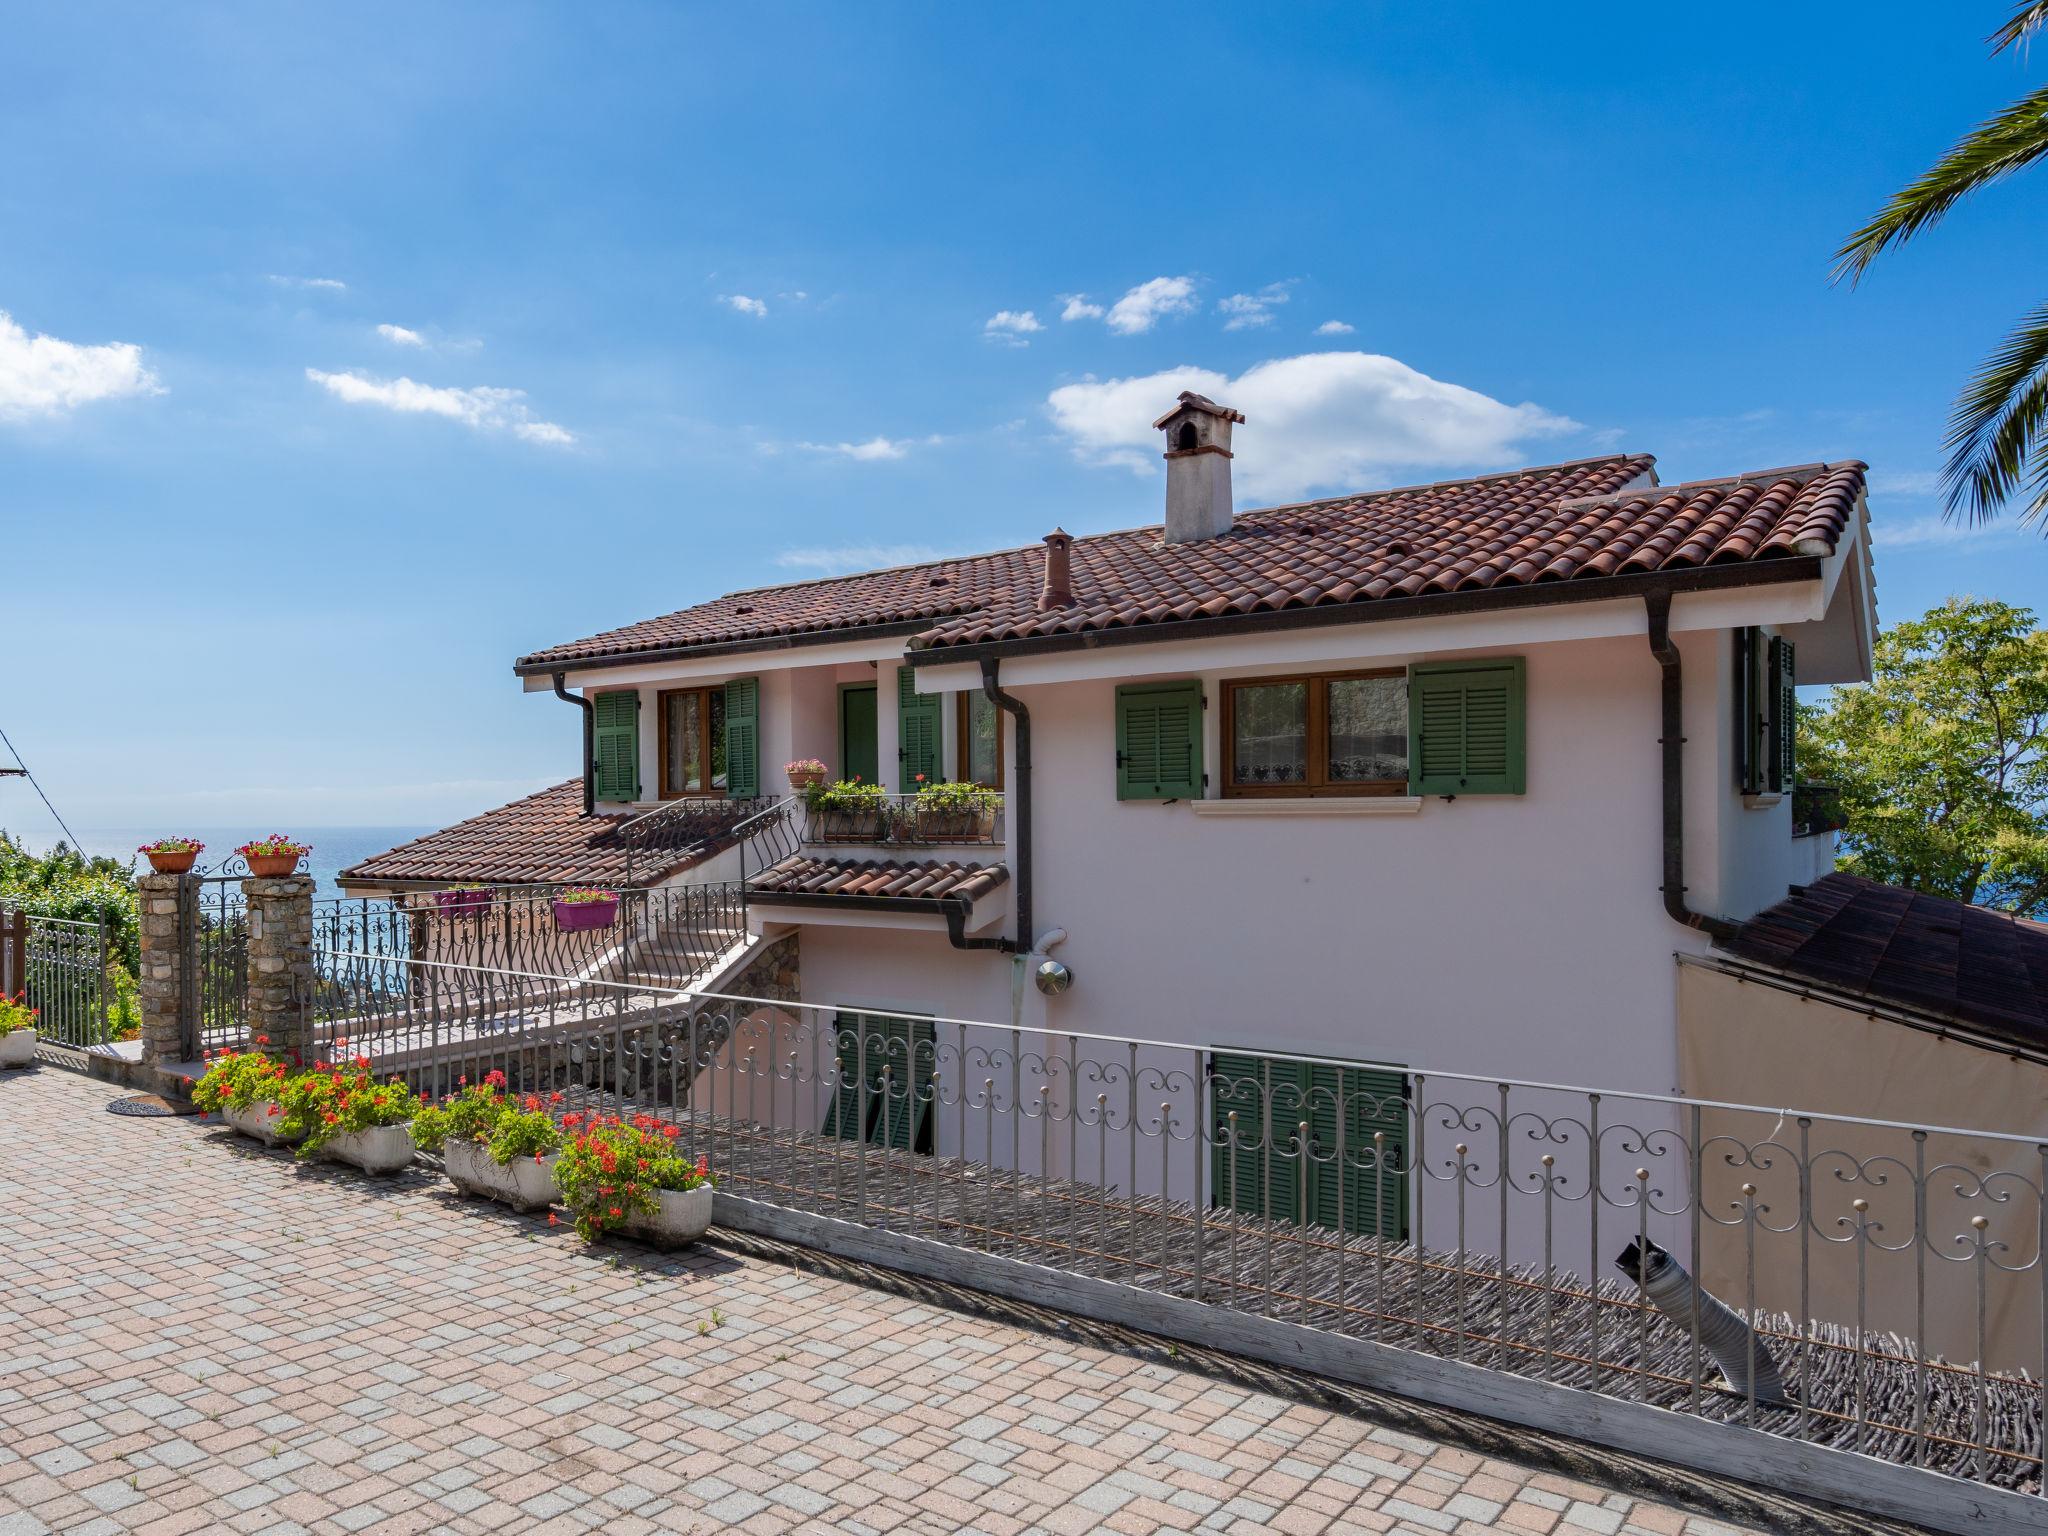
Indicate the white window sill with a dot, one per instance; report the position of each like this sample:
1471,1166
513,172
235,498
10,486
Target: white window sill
1333,805
1761,802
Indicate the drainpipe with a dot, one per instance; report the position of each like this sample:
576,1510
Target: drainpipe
589,732
1020,827
1658,602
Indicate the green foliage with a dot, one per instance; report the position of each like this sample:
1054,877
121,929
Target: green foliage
611,1169
15,1013
65,883
1997,429
848,797
324,1102
1939,758
485,1114
237,1079
956,799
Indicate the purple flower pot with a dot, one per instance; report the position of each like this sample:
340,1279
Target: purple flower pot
581,916
461,903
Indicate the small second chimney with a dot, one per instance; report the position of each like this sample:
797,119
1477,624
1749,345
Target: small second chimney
1058,591
1198,504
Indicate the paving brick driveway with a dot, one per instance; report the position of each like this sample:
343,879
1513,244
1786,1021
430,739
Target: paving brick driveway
196,1337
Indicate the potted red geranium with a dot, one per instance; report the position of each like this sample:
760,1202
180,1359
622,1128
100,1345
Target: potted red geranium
463,900
172,855
583,908
273,856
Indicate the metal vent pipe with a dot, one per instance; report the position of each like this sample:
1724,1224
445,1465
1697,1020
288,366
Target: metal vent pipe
1731,1341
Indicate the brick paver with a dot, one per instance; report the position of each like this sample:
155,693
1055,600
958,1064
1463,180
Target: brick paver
197,1337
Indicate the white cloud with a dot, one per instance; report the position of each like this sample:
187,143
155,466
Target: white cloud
482,408
1078,307
744,305
324,284
1334,328
40,374
1937,531
1324,421
875,449
1252,309
1905,482
1010,327
399,336
839,559
1148,303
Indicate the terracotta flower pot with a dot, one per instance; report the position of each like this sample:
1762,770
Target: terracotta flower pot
173,862
810,780
272,866
583,916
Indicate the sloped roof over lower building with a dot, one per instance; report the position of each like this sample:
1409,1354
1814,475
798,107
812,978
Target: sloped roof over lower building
905,881
1591,522
1978,967
544,839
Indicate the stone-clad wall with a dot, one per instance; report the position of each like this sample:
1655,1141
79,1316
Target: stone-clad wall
280,961
163,961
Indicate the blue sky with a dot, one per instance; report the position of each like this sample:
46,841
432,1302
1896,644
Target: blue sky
677,299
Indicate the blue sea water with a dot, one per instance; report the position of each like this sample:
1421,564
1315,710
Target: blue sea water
334,848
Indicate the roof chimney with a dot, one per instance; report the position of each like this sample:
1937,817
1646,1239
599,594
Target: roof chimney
1058,591
1197,468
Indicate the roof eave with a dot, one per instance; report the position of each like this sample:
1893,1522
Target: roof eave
538,664
1713,578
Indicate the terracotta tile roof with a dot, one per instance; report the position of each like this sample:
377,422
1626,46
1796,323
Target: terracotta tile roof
544,839
912,879
1561,523
1926,953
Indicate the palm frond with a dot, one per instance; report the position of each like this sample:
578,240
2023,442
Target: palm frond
2009,142
2027,20
1995,434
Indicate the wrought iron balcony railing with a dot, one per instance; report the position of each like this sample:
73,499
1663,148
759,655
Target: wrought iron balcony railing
974,818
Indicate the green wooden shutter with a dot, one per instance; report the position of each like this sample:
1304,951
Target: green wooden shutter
867,1044
743,737
1349,1192
917,732
1466,728
1159,741
1261,1174
615,745
1784,718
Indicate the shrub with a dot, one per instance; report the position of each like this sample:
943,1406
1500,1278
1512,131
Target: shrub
486,1114
15,1013
324,1102
611,1168
956,799
849,797
238,1079
65,883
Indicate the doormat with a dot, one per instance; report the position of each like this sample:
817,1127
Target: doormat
148,1105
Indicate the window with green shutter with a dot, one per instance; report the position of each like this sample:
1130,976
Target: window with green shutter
615,745
885,1090
1352,1166
917,733
1766,714
1466,728
743,737
1784,718
1159,741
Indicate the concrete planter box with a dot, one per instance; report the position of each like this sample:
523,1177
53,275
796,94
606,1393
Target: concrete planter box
684,1216
381,1149
17,1048
258,1121
523,1184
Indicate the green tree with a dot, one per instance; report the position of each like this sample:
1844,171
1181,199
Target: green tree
1996,428
1939,757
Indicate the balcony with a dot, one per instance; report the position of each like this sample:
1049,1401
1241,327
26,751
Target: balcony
972,818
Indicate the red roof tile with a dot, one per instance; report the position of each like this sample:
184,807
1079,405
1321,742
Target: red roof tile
1971,964
912,879
544,839
1558,524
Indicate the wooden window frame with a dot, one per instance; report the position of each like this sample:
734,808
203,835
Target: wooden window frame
709,792
963,707
1318,784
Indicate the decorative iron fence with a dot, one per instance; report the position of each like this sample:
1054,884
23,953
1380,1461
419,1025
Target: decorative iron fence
213,926
63,968
660,840
973,818
1884,1284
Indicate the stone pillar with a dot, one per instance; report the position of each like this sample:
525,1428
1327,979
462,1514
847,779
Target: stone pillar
160,987
281,962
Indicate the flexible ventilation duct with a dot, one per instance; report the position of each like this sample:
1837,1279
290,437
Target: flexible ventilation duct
1730,1340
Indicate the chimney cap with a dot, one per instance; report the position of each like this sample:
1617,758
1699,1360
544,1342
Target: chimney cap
1057,590
1190,401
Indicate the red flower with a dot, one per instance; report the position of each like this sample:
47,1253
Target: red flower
263,1039
552,1221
